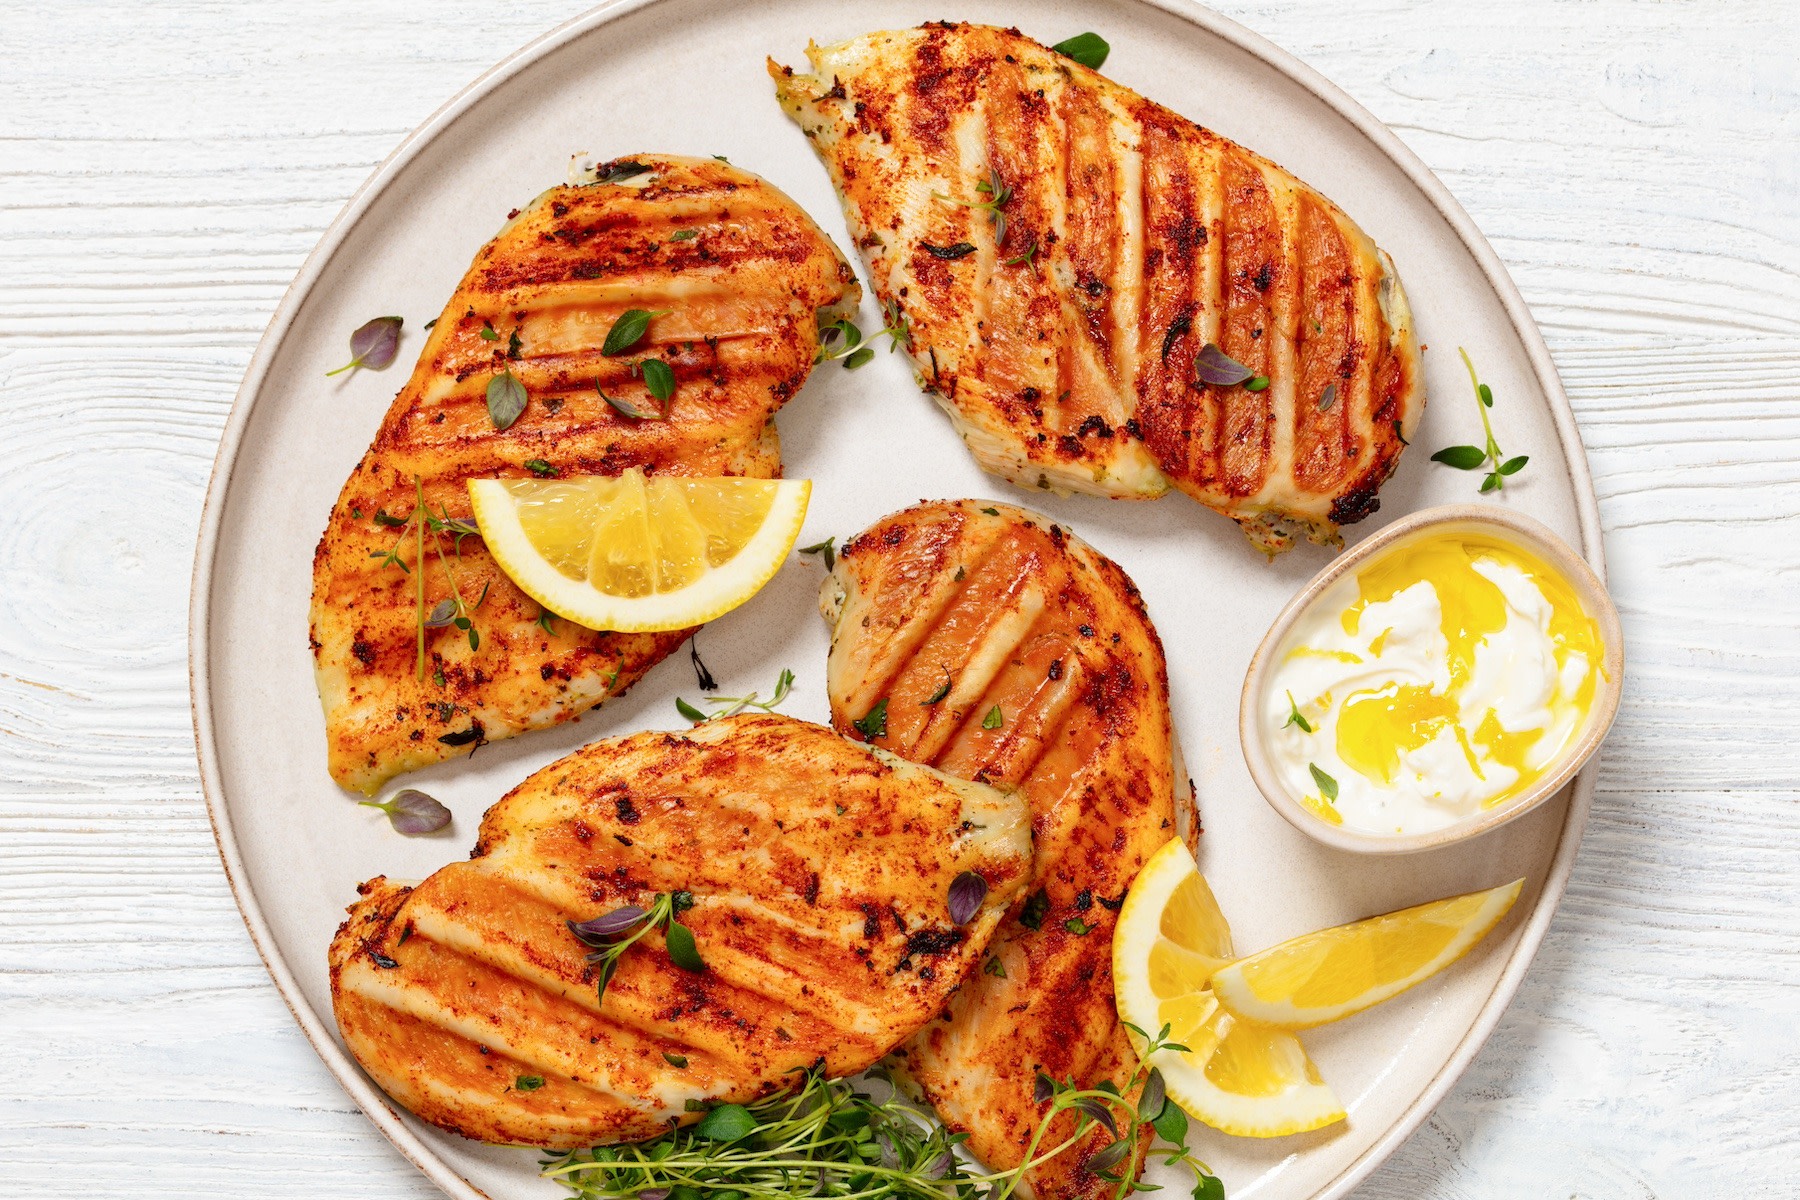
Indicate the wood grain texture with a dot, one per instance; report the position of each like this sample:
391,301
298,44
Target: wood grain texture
165,168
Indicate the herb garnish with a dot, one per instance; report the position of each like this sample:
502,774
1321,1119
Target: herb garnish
505,399
541,469
678,1061
1467,458
1215,367
997,194
1294,717
967,891
1078,927
1027,257
832,1138
488,332
546,620
626,408
1088,49
621,171
613,933
826,550
1327,785
873,724
991,511
943,690
659,377
412,812
842,338
959,250
1037,907
528,1083
1328,397
684,235
993,720
373,345
993,966
453,610
729,706
628,329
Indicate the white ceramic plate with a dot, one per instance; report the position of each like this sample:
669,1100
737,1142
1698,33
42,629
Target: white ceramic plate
687,76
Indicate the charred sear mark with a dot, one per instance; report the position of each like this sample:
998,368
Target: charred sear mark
933,942
626,810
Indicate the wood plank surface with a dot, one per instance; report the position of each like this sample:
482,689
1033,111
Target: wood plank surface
164,168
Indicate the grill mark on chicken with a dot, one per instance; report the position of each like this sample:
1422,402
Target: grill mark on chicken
1137,220
435,985
1057,636
739,337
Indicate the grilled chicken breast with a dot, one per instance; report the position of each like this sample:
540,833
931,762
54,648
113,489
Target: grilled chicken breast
737,299
997,647
819,871
1062,249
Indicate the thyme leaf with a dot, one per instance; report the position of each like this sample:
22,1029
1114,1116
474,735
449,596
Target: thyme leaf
826,550
1088,49
730,706
873,724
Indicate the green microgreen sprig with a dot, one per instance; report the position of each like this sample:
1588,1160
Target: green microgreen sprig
729,706
453,610
1295,717
1468,458
613,933
840,338
834,1138
997,194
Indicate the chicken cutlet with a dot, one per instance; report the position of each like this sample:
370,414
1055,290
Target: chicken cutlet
812,872
992,644
423,648
1063,251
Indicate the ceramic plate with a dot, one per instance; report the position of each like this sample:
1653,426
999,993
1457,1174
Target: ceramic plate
687,76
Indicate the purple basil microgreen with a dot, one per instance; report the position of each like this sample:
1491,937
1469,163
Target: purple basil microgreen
1109,1157
967,891
1213,366
1150,1100
1042,1089
604,928
373,345
1100,1111
442,614
412,812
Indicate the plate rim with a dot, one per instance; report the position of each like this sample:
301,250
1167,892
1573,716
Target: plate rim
356,1084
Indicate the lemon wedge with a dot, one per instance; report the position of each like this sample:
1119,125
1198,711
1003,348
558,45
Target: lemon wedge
1323,976
1236,1075
635,553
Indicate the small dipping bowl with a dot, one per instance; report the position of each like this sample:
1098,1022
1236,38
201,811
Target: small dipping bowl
1474,519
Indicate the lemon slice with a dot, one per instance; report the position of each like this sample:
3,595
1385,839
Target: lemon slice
639,554
1236,1075
1320,977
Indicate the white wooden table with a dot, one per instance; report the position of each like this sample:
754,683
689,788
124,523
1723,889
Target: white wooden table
165,167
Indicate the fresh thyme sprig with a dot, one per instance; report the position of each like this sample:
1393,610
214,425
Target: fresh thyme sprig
614,933
997,194
453,610
1468,458
842,338
834,1138
728,706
